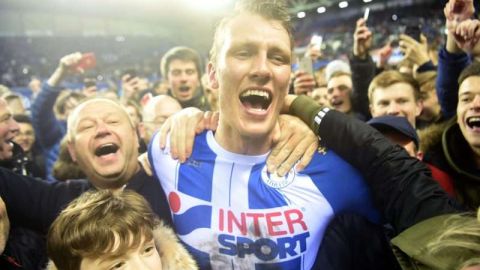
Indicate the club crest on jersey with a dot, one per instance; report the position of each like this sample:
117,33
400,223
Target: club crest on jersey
275,181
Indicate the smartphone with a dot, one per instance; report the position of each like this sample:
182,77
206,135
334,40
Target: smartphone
366,14
413,31
316,41
306,65
88,61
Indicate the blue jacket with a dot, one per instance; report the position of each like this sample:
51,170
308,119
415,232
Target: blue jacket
48,128
449,68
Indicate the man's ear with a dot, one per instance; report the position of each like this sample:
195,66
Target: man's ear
212,75
418,108
419,155
71,151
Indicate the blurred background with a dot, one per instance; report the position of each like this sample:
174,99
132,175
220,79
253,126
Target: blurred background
125,33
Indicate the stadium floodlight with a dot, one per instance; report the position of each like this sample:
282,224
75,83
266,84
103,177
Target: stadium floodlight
321,10
301,14
343,4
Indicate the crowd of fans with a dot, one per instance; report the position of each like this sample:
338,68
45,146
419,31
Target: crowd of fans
428,102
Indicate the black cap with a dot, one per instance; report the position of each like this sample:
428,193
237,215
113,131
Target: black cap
395,123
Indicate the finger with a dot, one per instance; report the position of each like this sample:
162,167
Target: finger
211,120
190,136
408,39
306,80
289,151
302,90
299,73
307,156
275,158
143,159
182,135
174,140
214,121
206,120
363,36
360,22
294,150
472,30
477,31
423,39
162,133
125,78
368,34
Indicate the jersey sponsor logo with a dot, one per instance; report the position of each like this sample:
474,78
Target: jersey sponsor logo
268,235
275,181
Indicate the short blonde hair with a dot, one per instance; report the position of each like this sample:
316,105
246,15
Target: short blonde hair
269,9
391,77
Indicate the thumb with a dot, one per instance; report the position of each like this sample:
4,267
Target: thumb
423,39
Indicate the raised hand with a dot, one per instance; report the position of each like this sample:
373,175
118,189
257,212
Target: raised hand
416,52
362,39
297,143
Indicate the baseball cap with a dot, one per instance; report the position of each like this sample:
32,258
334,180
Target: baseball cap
395,123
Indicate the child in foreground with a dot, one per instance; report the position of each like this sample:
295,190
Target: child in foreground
113,230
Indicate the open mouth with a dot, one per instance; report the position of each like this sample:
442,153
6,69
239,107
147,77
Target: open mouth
106,149
473,122
184,88
336,103
256,99
9,142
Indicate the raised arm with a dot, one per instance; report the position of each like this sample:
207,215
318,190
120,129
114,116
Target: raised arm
402,186
363,67
451,58
50,130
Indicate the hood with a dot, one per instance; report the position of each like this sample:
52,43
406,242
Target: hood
431,136
455,148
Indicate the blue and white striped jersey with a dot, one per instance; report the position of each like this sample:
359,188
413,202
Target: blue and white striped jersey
232,214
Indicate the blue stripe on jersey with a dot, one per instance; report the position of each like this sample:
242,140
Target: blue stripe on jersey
343,186
150,147
261,196
183,222
200,170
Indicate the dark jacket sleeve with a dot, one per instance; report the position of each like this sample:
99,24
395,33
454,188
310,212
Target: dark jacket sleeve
48,129
363,72
33,203
402,186
449,68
